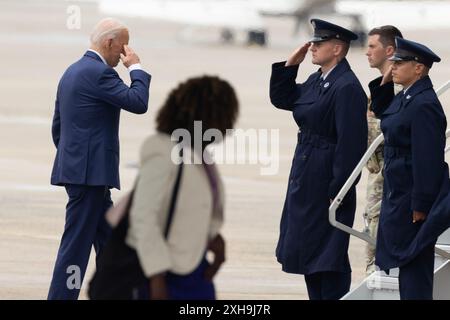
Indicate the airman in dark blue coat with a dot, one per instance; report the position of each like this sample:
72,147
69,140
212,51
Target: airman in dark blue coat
330,110
413,124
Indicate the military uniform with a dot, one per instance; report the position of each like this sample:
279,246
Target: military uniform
374,189
413,124
331,115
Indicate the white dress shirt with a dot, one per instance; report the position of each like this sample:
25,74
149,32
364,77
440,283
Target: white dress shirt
406,89
324,76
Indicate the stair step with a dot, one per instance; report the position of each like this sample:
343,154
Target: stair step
380,281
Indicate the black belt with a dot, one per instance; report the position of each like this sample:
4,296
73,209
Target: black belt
306,136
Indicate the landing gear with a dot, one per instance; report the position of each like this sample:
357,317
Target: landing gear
226,35
359,29
362,38
257,37
254,37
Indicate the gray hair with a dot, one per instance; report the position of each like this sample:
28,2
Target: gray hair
106,29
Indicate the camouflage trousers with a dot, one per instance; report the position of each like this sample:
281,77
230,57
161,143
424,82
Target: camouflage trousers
372,215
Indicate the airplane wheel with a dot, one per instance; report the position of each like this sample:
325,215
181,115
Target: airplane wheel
362,38
226,35
257,37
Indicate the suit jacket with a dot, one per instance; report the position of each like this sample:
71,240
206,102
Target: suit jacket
85,127
195,220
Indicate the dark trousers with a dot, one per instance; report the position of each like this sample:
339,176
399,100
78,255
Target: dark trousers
416,278
85,227
327,285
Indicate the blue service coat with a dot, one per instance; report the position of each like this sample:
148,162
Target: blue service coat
437,221
413,126
85,127
333,138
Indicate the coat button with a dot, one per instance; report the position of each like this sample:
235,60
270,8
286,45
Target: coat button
303,157
389,194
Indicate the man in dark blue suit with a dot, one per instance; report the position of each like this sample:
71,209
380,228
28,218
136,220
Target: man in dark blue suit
85,131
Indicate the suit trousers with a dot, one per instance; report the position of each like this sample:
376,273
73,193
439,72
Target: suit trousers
85,227
329,285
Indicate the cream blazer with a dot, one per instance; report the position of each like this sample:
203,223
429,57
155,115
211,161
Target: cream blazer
194,220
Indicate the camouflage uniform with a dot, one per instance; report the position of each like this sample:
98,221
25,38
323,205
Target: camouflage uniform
375,185
374,189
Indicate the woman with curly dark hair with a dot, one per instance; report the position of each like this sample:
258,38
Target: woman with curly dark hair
175,261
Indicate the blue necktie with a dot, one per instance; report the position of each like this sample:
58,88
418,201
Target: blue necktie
402,97
321,81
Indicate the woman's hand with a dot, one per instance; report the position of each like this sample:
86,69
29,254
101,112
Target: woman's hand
158,287
418,216
217,247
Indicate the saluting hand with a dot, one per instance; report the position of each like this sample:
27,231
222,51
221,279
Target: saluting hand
298,55
130,56
387,76
418,216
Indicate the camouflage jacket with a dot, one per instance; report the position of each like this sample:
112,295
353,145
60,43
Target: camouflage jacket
376,161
